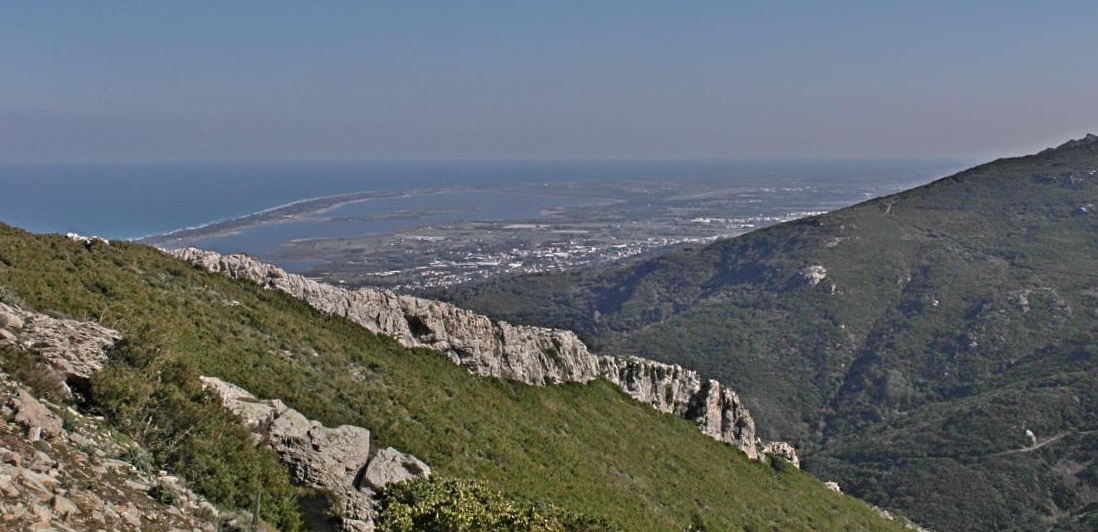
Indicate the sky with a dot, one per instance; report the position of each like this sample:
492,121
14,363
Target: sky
329,80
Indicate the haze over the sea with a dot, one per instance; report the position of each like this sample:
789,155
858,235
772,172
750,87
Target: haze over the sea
264,81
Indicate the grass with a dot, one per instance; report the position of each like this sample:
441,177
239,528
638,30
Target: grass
587,449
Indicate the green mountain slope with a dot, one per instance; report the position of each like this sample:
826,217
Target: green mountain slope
906,343
588,449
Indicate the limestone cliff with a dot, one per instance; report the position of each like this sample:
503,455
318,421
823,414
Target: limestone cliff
533,355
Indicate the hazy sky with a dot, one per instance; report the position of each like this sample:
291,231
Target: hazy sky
112,81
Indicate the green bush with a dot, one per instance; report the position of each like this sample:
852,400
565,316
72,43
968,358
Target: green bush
448,505
159,401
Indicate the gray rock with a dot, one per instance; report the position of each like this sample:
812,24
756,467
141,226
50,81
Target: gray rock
72,348
10,457
356,525
7,489
532,355
31,413
717,411
782,449
254,412
330,459
37,481
318,456
391,466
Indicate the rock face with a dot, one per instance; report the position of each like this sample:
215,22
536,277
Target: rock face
716,410
533,355
335,460
75,349
497,349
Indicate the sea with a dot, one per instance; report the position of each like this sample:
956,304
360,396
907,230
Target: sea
136,200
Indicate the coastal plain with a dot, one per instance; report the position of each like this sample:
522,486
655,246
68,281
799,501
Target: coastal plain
425,239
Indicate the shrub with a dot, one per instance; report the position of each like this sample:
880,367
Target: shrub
448,505
159,401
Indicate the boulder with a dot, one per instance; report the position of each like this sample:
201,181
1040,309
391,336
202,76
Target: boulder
330,459
319,456
781,449
391,466
256,413
31,414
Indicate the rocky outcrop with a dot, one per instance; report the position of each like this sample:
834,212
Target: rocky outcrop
715,409
391,466
781,449
88,241
335,460
80,479
74,349
39,421
533,355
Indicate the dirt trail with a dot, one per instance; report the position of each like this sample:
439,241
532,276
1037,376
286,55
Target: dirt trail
1038,445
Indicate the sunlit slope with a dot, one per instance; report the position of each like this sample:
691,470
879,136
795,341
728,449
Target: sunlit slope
587,448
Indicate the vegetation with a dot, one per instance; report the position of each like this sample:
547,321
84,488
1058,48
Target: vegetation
158,400
28,367
952,318
448,505
585,449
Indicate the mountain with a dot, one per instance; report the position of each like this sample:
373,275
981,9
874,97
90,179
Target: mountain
934,351
314,395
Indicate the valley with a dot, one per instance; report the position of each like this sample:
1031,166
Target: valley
905,345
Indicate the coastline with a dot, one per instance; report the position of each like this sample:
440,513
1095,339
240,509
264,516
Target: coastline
297,210
286,212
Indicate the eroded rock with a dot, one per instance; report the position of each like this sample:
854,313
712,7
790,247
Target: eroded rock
75,349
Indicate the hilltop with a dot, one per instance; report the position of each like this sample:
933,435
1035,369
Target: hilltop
933,350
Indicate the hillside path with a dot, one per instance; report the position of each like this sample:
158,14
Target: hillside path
1038,445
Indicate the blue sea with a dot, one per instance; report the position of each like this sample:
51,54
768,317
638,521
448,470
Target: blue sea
130,201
